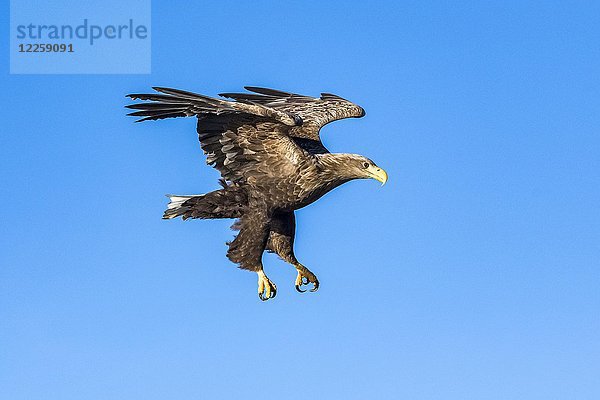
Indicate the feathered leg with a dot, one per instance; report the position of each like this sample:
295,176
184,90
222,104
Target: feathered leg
248,246
281,242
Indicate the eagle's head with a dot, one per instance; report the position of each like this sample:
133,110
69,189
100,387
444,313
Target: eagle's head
353,166
364,168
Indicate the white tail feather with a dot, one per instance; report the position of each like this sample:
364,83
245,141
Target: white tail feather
176,200
175,203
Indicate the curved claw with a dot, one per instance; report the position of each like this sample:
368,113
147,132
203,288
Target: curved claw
316,286
299,290
271,295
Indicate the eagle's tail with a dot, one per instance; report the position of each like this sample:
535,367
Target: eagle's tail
228,202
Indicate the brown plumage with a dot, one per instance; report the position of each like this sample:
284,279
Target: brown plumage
267,147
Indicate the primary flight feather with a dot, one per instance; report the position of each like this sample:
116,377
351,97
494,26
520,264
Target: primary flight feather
266,145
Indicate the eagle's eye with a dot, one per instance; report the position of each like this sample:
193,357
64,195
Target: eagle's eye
365,165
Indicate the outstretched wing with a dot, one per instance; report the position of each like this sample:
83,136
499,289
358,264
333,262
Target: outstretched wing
179,103
314,112
244,141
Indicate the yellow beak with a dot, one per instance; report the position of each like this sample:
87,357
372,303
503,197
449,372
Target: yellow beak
378,174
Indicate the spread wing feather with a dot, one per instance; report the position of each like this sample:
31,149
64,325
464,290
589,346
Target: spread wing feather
179,103
314,112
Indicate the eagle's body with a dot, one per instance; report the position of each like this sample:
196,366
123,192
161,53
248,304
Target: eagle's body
267,148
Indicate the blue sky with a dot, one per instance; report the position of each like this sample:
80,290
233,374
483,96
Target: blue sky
473,274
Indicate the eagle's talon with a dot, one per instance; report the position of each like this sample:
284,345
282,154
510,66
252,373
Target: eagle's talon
305,277
266,289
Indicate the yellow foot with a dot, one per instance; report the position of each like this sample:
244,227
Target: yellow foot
304,278
266,289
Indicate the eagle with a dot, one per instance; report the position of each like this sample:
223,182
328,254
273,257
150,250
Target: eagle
266,145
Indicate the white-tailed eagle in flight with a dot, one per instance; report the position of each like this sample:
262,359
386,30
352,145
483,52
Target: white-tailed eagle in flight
266,145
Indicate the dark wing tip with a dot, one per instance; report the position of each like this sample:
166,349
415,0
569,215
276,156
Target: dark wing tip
270,92
331,96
